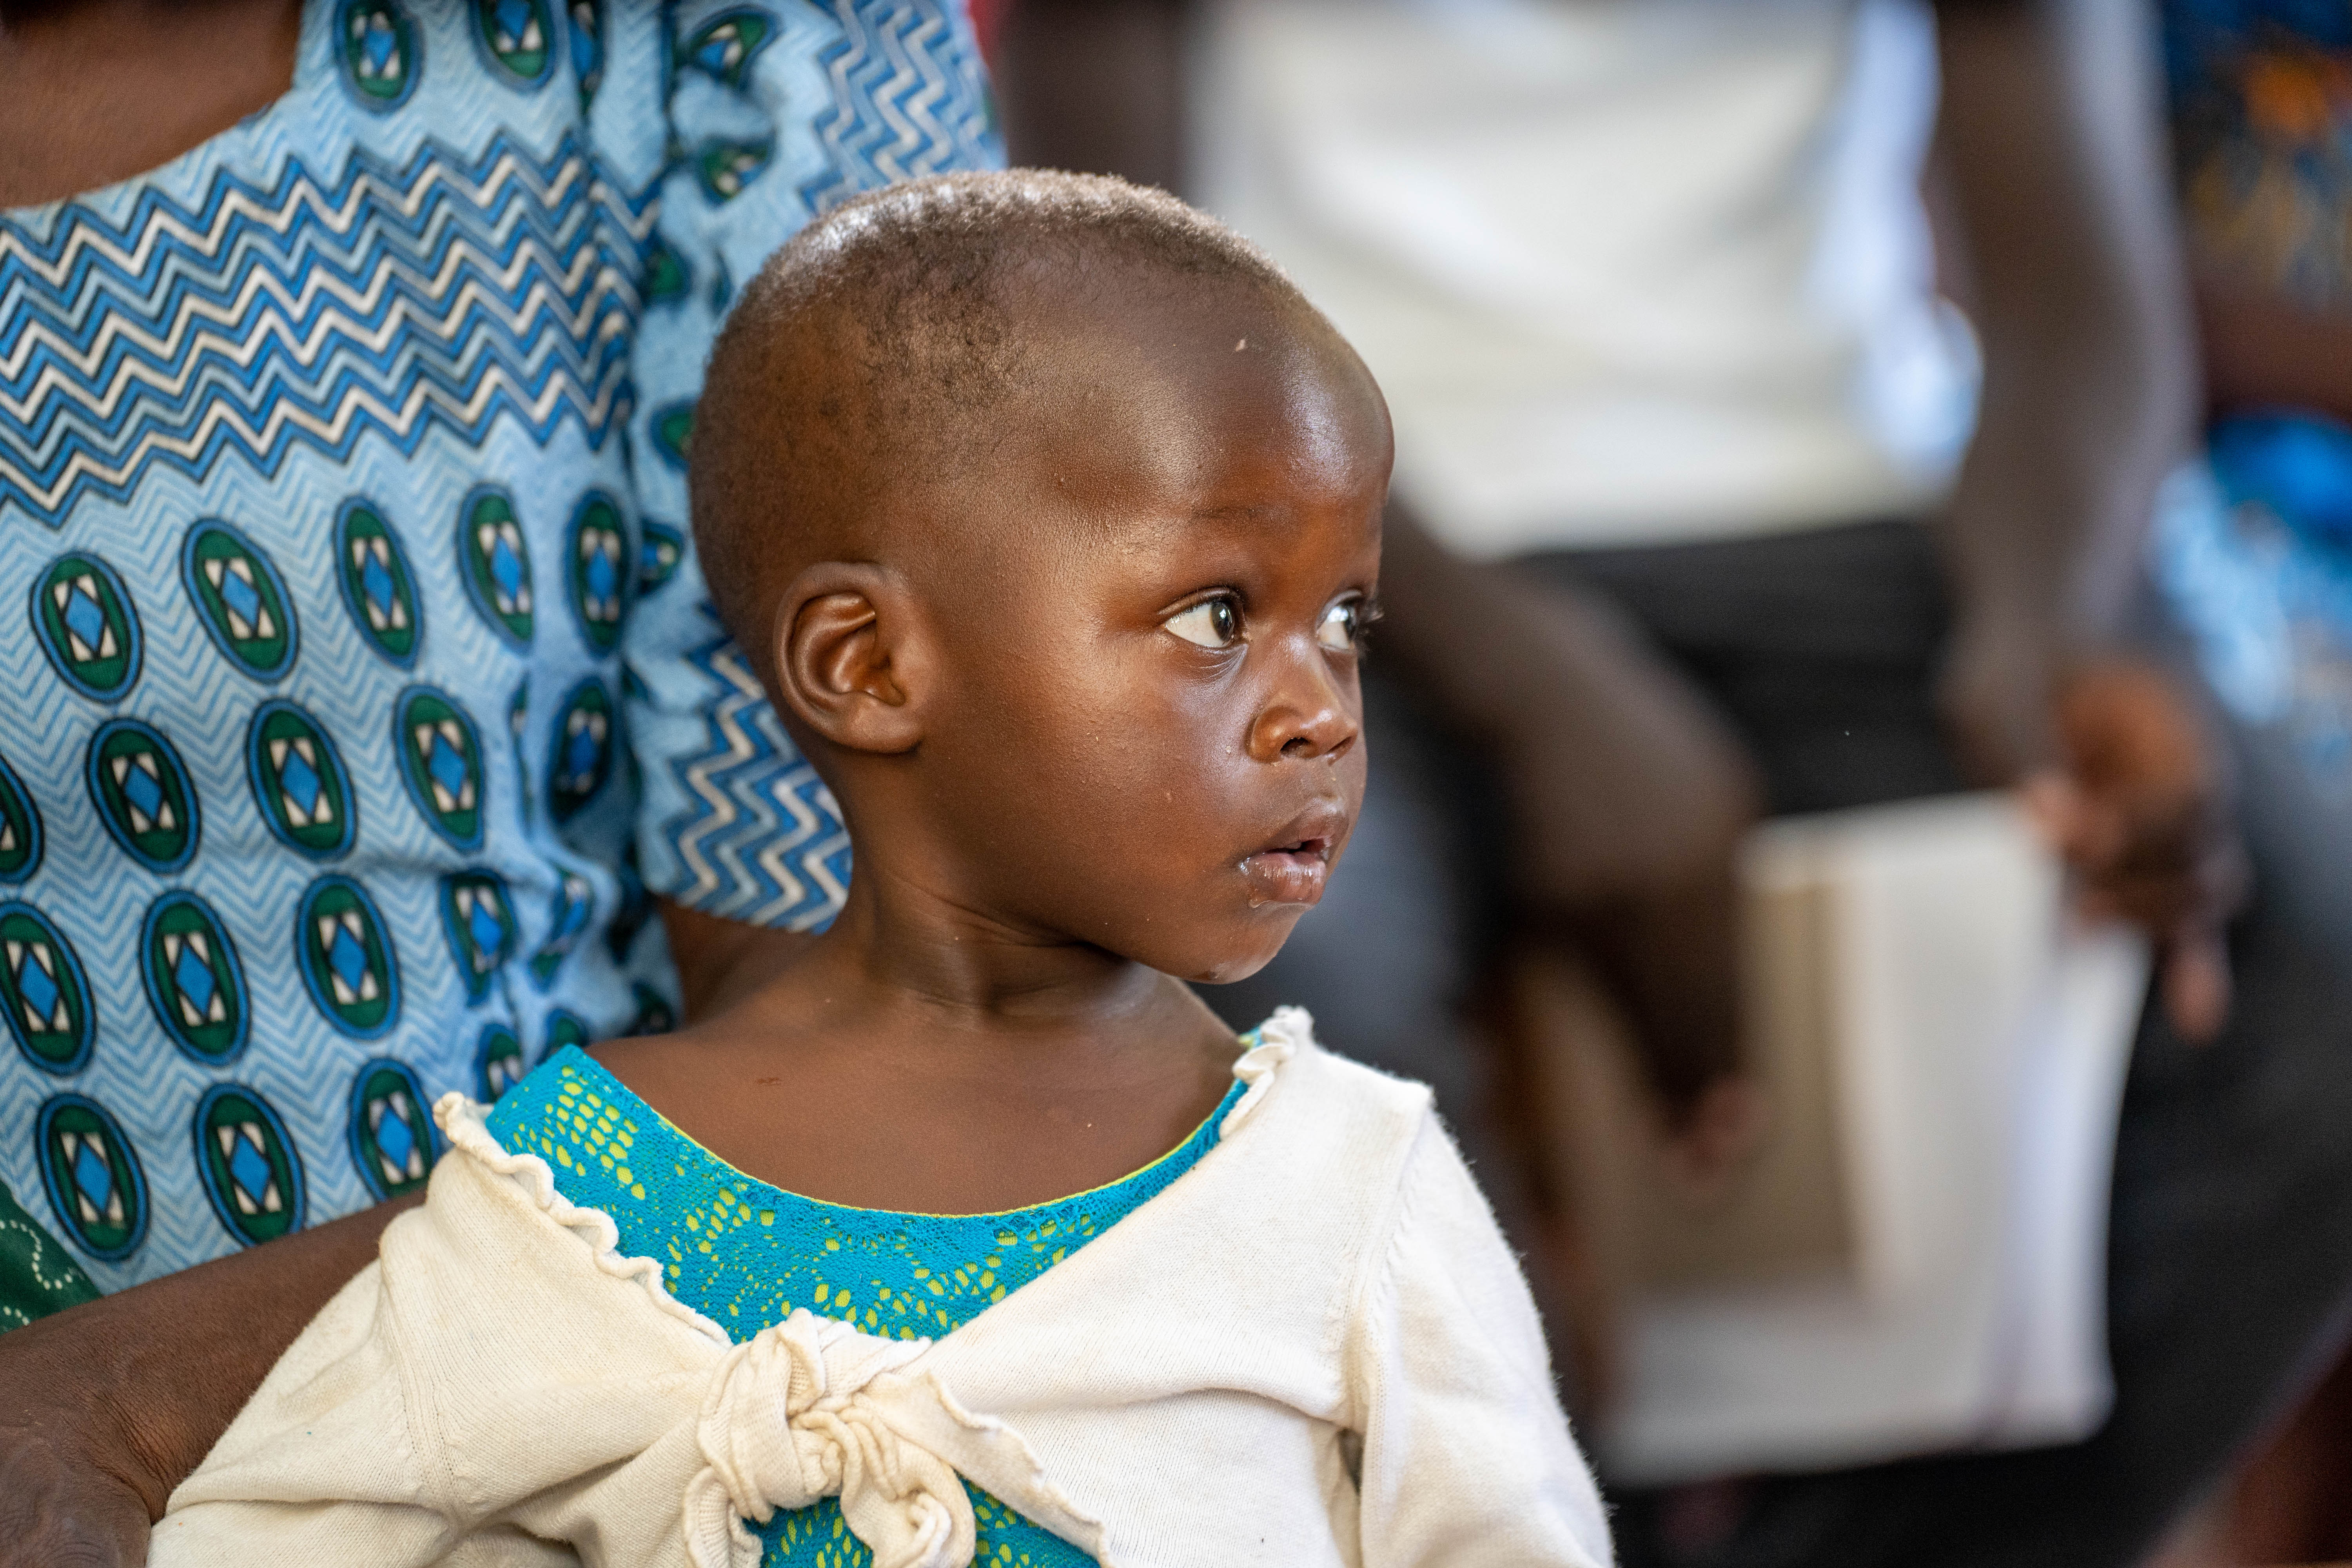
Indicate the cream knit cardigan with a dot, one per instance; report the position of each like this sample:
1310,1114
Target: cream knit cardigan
1311,1349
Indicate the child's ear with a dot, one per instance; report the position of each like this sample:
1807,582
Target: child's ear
852,656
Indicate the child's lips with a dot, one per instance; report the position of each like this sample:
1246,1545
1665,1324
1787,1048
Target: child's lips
1288,873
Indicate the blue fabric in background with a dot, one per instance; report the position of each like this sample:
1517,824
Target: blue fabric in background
2296,466
2254,549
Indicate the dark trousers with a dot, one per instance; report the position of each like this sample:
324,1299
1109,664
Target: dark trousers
2229,1266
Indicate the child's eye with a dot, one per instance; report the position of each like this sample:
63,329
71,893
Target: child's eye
1342,625
1212,623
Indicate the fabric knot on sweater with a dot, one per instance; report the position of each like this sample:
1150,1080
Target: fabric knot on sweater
788,1420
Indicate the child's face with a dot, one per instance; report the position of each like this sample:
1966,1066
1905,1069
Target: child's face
1151,736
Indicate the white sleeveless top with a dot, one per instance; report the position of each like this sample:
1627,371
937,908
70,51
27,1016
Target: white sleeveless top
1628,270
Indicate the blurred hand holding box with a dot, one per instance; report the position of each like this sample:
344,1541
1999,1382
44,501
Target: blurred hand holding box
1914,1257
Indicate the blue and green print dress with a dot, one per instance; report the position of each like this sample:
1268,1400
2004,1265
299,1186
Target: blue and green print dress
356,679
744,1254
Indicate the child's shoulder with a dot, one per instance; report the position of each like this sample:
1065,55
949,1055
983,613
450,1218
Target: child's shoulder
572,1112
558,1084
1315,1097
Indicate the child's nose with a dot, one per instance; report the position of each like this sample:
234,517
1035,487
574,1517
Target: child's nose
1309,717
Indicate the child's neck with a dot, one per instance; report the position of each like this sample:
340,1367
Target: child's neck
926,1056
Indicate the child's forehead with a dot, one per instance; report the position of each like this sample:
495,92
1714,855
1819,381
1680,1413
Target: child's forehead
1069,303
1185,463
1194,353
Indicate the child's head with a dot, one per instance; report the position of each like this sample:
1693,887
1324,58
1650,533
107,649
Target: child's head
1051,512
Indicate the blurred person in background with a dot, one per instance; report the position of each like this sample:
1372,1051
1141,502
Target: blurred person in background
1706,507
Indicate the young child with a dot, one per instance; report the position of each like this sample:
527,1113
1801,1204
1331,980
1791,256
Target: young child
1052,511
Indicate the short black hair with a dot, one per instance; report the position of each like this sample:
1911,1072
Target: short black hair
871,348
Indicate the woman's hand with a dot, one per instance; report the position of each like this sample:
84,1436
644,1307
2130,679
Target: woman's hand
106,1407
2122,774
1628,797
2139,810
64,1501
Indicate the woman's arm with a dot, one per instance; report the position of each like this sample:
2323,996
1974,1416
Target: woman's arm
2053,134
106,1407
2264,350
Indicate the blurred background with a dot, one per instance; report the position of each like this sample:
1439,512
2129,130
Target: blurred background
1862,829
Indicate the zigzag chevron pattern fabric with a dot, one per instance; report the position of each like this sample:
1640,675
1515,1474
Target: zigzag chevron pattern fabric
356,679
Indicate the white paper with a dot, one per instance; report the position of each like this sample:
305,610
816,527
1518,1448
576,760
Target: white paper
1979,1041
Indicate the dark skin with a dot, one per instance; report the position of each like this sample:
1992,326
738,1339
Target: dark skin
2264,350
95,91
2090,399
1064,801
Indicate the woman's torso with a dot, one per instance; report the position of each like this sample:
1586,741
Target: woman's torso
338,458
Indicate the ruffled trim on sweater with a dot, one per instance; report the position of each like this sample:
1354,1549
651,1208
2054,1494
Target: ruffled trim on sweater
1280,1038
464,1124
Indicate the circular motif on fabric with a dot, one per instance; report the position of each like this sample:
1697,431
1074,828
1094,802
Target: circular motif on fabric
724,168
575,906
595,570
518,38
580,753
498,1062
564,1027
672,428
20,827
391,1133
347,958
241,599
724,47
654,1016
518,720
83,615
634,910
45,991
298,781
379,590
495,563
658,556
666,280
381,52
441,763
92,1176
477,917
587,19
142,793
194,980
252,1171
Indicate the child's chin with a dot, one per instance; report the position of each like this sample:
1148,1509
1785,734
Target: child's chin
1251,953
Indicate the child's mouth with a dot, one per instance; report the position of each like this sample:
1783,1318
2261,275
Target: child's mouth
1291,873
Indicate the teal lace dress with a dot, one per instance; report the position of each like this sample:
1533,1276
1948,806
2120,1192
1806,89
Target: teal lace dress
744,1254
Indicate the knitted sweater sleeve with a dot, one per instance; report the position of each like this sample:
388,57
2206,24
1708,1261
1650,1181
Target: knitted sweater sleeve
484,1392
322,1465
1466,1456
